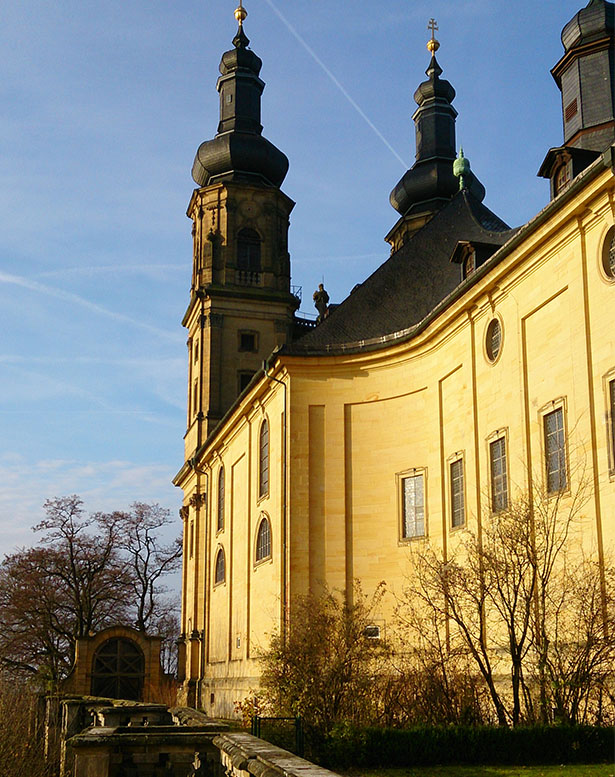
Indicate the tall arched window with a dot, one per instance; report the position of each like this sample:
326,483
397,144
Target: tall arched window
221,499
220,569
263,540
263,460
249,250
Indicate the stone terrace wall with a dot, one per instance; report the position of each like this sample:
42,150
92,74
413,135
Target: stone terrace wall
243,755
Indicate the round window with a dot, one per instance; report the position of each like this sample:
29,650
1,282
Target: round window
608,254
493,342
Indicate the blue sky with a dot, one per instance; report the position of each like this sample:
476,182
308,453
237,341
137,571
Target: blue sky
102,106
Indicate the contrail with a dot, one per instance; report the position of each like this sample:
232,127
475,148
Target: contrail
319,61
67,296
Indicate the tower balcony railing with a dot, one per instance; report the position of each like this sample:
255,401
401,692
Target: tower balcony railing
248,278
297,292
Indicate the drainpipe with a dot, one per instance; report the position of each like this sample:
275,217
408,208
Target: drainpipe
204,554
266,369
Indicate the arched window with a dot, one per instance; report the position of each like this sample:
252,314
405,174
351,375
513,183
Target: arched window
220,570
263,460
118,670
263,540
249,250
221,499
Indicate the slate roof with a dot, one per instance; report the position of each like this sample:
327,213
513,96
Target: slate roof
403,290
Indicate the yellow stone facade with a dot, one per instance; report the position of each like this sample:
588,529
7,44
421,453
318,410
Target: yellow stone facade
346,428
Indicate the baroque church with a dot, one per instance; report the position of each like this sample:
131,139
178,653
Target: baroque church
318,453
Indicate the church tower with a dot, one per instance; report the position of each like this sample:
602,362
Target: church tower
430,183
585,75
241,306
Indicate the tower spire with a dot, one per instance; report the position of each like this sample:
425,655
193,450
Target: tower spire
239,151
430,183
433,45
241,40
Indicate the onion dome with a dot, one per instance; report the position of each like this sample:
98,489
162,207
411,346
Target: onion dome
593,22
431,177
239,151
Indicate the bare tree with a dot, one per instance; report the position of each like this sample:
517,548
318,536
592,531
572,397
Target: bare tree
88,572
580,652
325,669
148,559
505,598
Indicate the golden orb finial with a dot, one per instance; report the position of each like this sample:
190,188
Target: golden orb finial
433,45
240,13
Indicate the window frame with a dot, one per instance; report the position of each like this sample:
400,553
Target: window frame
457,458
495,437
495,320
607,272
556,406
258,560
401,477
608,381
242,375
220,556
611,422
221,493
264,461
253,333
249,239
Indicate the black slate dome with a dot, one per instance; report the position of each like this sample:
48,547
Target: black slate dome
593,22
239,151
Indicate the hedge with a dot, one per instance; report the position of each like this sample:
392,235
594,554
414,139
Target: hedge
372,747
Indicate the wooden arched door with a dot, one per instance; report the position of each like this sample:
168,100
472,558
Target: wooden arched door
118,670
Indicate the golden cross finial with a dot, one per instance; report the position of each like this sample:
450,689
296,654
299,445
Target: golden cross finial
240,13
433,44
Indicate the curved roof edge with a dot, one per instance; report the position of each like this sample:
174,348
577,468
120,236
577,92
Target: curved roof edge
606,160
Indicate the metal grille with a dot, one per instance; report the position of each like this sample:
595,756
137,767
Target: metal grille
118,670
499,479
263,540
220,572
221,499
457,495
611,266
413,491
263,470
494,339
555,451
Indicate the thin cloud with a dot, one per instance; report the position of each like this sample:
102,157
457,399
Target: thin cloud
115,269
67,296
335,80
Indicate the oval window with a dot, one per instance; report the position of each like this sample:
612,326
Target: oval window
494,339
608,255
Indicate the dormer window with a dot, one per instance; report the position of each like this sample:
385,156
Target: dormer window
562,177
469,262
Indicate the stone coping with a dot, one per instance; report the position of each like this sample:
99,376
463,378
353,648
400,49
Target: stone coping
246,753
145,736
